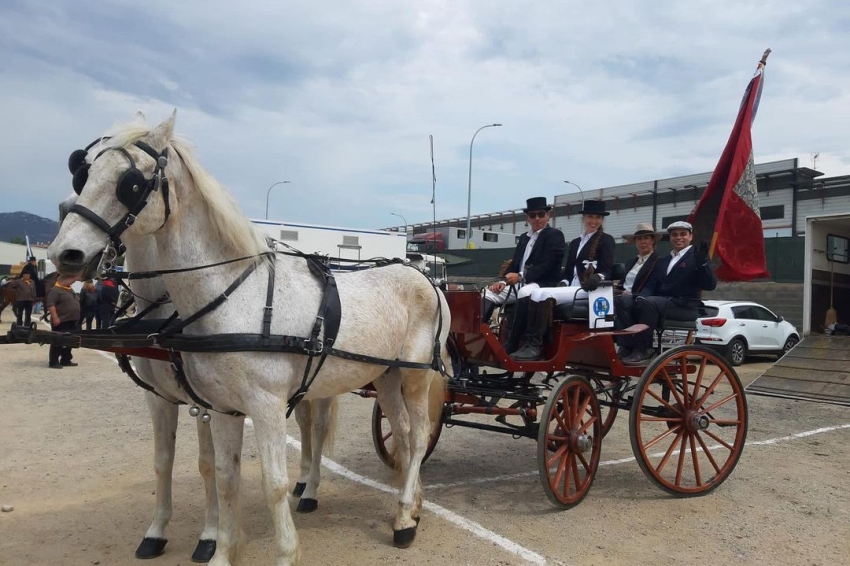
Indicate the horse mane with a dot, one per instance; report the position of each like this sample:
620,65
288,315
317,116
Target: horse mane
236,231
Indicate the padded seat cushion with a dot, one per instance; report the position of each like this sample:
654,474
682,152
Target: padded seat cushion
576,311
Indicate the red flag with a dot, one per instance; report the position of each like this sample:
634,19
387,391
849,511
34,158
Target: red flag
727,215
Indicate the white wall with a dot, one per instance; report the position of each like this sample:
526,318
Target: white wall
11,254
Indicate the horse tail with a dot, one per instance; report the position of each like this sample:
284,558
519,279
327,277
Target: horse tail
331,426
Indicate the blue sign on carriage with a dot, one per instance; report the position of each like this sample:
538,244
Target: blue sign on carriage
601,307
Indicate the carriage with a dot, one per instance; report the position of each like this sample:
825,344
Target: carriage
687,408
257,326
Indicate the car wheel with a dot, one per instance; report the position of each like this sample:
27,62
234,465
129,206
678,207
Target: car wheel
737,351
790,343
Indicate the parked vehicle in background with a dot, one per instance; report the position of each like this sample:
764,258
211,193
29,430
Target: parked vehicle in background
737,329
448,238
431,265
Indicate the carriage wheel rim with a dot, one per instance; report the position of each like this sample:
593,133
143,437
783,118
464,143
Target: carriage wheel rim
572,429
685,447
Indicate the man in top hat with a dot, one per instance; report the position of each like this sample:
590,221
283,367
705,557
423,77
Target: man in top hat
674,290
590,256
537,258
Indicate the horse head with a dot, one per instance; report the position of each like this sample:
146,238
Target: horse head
123,187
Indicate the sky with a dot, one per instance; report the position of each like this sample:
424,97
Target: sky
339,97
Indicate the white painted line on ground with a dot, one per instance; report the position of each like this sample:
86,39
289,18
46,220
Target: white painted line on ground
767,442
450,516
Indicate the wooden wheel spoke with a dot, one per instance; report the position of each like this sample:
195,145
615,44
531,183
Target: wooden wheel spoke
582,411
576,475
719,440
683,369
559,469
680,464
661,419
703,364
708,454
563,478
584,462
670,449
387,436
662,436
695,458
672,387
556,455
562,424
720,402
655,396
725,422
587,424
574,411
710,389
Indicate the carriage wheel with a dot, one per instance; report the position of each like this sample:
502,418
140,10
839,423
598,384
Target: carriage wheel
688,421
382,437
569,442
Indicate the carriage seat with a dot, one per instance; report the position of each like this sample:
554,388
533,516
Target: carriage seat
579,309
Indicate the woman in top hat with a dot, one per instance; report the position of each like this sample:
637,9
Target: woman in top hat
591,254
537,257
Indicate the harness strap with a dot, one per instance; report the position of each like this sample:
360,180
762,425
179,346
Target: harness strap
212,305
177,364
267,312
124,364
151,274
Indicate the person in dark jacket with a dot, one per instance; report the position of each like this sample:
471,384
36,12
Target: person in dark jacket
536,260
88,305
32,268
64,309
25,295
638,269
107,299
590,255
674,289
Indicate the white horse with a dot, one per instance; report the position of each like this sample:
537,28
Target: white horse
390,313
316,419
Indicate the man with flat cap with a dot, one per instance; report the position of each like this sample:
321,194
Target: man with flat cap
674,290
537,258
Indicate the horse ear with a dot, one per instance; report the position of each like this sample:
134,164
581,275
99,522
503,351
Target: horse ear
163,133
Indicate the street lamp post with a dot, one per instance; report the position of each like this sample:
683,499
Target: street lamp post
405,222
267,195
579,190
469,191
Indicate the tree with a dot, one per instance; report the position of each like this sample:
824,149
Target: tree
18,240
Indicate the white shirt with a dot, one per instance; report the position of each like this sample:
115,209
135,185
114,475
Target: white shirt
582,241
629,280
675,257
532,239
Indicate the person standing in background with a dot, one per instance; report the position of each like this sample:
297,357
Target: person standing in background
88,305
64,309
107,299
25,295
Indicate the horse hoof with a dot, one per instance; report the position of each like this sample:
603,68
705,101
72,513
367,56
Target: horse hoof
404,537
204,551
299,488
307,505
151,548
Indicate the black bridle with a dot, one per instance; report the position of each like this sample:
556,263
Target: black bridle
132,190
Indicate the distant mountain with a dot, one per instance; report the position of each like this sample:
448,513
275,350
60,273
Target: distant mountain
17,224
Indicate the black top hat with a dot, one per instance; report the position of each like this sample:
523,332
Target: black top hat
536,203
31,258
594,207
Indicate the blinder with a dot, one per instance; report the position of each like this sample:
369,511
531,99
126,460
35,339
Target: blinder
132,188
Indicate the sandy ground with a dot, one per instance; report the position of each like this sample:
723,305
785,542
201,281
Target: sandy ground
75,463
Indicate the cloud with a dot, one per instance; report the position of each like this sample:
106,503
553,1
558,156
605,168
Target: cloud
340,98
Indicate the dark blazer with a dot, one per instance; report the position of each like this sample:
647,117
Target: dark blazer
685,283
604,258
642,275
544,263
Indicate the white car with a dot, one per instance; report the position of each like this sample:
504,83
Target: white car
737,329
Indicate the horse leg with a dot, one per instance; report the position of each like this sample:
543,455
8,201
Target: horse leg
416,390
164,420
321,434
227,440
303,416
388,388
206,465
270,429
